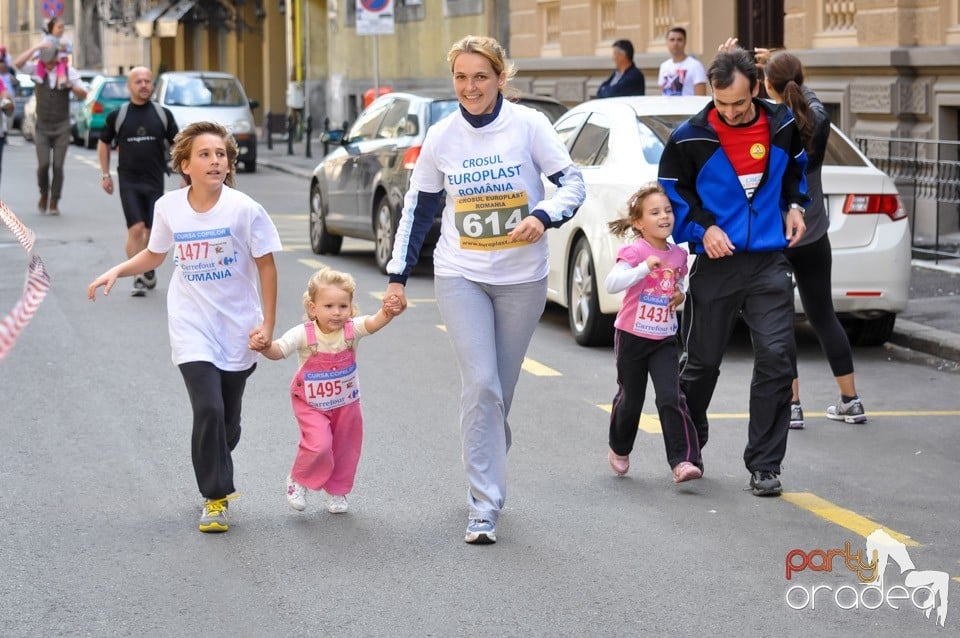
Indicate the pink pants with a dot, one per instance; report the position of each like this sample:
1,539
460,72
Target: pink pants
330,440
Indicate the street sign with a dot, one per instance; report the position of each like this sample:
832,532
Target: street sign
374,17
51,8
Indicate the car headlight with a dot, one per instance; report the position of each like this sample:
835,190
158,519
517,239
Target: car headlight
241,126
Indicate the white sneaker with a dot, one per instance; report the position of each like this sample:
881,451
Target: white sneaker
296,495
337,504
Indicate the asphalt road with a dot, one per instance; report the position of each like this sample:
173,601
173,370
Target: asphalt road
98,505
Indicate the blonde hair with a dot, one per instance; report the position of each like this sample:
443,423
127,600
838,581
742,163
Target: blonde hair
183,147
330,277
489,48
622,225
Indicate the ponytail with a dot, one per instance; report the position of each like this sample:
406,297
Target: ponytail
793,97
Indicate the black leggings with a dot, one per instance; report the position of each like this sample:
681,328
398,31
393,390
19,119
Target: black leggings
811,268
636,357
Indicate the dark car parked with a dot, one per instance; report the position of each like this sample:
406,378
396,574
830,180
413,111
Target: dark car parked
21,94
357,189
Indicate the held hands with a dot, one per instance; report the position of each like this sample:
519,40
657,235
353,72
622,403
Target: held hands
396,298
259,339
391,306
529,230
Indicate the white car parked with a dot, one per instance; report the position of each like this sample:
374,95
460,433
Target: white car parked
617,143
195,96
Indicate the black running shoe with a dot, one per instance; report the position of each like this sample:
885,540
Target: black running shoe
765,483
150,279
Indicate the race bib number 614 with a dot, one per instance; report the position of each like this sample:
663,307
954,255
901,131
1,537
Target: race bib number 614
484,221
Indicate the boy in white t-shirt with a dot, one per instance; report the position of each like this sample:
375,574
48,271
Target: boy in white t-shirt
223,244
681,74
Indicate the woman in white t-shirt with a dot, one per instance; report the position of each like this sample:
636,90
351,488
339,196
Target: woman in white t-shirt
223,244
482,167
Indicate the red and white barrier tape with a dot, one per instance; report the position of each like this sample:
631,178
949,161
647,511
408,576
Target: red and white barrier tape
34,290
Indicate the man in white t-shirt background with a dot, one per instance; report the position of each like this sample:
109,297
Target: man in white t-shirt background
682,74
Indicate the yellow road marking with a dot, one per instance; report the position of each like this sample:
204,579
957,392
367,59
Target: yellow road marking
843,517
316,264
743,415
805,500
529,365
872,413
538,369
649,423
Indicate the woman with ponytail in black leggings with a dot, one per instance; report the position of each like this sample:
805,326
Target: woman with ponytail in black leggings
811,257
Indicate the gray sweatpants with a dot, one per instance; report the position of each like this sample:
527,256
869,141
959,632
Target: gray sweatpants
490,327
55,141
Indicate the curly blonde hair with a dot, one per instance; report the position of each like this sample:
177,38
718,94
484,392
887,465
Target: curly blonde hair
183,147
330,277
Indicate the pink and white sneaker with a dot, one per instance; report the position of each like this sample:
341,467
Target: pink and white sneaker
619,464
686,471
296,495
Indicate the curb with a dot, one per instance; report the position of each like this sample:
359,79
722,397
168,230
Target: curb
952,268
284,167
921,338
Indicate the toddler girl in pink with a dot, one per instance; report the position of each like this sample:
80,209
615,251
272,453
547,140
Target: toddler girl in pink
651,270
326,391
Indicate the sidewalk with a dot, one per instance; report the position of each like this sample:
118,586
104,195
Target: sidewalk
930,324
296,164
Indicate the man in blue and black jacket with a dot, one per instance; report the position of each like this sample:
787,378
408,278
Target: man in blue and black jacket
735,176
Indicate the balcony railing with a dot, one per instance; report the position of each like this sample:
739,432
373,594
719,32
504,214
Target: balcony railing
927,173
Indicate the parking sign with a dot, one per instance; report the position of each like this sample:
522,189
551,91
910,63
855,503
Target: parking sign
374,17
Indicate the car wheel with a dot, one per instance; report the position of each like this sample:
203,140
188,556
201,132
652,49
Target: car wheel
250,166
384,232
322,242
589,326
90,141
870,332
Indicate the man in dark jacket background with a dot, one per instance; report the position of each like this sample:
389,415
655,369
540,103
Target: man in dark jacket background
734,174
626,78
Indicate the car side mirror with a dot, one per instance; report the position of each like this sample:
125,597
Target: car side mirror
412,125
331,137
254,104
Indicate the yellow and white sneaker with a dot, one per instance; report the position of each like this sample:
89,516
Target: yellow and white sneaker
214,518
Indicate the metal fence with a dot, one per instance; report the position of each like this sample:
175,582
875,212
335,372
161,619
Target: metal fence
927,174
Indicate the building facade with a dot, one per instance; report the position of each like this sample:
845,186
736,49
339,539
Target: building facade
245,37
343,65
